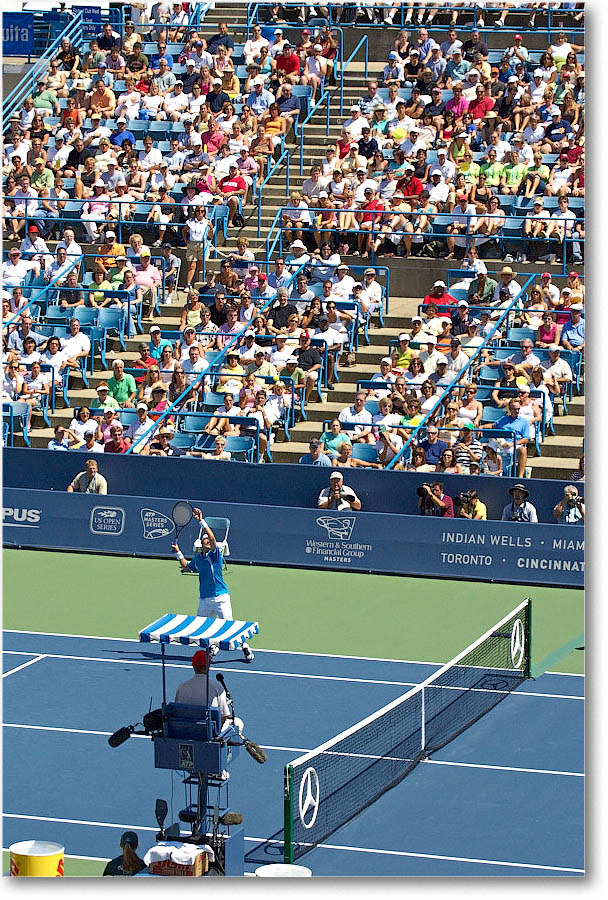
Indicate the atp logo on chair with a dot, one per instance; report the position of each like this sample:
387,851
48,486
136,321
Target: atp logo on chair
339,529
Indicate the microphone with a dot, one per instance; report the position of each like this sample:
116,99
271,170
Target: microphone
219,677
231,818
255,750
120,736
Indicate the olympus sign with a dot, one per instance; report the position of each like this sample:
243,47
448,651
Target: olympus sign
21,517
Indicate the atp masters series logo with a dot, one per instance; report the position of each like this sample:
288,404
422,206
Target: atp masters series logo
338,547
156,524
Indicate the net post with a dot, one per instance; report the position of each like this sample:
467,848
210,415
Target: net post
287,815
423,723
528,639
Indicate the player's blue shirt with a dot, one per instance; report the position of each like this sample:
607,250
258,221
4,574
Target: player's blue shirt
210,578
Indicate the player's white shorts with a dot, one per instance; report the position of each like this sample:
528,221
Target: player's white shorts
215,607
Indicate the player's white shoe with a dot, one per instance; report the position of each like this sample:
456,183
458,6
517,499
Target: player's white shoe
248,654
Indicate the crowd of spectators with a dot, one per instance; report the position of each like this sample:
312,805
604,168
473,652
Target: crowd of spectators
378,170
76,137
410,384
443,147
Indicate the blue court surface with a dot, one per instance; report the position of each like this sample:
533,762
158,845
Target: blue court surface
504,798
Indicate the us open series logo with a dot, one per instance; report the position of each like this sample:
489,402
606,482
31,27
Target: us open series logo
107,520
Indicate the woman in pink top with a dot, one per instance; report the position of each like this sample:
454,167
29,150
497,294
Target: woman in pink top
549,331
95,209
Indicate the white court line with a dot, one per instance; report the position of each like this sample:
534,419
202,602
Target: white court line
258,840
410,662
432,762
231,671
24,665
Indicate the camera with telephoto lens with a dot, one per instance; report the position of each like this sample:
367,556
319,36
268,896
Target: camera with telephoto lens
422,489
518,515
465,502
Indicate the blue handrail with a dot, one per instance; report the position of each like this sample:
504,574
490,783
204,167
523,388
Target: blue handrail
362,43
15,98
554,18
470,238
269,173
35,299
324,98
460,375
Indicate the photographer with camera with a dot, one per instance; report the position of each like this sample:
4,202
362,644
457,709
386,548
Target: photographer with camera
433,502
338,495
467,505
519,510
571,508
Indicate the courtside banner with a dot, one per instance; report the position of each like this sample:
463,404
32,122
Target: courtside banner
352,541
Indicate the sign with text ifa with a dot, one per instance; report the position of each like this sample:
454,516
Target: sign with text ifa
17,34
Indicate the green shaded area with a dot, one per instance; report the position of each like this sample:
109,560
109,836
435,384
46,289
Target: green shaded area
312,611
73,868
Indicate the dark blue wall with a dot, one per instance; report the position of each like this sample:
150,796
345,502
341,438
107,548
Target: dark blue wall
273,485
312,538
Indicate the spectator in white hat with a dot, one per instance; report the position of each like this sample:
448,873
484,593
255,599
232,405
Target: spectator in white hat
315,69
430,356
354,124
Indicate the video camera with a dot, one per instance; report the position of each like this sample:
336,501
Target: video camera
152,724
465,501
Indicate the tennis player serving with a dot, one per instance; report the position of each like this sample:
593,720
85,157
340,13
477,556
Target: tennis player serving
214,598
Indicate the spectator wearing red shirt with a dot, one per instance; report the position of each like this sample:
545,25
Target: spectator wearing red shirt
573,151
232,187
481,105
368,221
288,64
439,295
116,444
144,362
409,185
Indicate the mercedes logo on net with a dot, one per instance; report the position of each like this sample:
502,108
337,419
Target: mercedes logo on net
309,797
518,644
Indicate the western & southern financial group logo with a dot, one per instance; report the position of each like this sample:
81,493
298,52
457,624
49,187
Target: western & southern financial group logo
337,529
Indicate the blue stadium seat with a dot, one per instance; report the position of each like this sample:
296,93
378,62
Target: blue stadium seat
241,448
182,440
113,320
365,452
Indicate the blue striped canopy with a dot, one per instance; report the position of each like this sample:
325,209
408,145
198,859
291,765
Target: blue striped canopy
200,631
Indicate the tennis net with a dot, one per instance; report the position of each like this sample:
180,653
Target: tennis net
331,784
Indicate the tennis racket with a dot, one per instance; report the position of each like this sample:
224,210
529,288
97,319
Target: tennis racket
182,516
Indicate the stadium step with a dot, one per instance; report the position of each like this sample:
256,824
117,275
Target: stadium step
563,445
553,467
569,427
